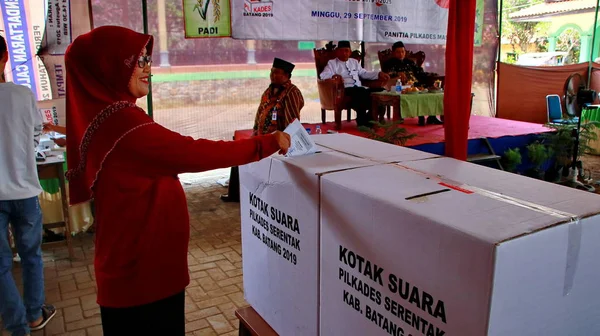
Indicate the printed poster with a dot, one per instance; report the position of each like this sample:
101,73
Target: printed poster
423,21
22,25
207,18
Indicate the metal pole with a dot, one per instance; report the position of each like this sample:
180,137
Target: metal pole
589,78
497,78
362,52
500,5
145,18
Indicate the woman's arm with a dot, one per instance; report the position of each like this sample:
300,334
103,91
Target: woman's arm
157,150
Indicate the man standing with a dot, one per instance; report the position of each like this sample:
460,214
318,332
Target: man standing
20,129
401,67
351,72
281,102
279,105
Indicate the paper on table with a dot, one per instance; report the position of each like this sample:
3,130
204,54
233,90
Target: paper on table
301,142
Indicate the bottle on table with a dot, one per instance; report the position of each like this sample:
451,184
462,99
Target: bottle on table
398,86
318,129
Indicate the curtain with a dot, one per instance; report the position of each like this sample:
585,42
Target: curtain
459,72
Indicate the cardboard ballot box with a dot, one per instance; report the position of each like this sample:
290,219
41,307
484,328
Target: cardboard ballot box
280,206
414,255
369,149
509,185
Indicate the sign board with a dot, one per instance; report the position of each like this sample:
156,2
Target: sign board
422,21
207,18
306,45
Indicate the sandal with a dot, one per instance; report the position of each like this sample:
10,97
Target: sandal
48,312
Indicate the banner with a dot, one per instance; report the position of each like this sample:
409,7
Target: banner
59,33
422,21
38,33
58,27
207,18
23,25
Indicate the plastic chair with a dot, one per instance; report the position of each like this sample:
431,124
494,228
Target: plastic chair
554,108
555,113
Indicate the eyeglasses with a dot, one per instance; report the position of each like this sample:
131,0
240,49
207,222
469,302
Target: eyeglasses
143,60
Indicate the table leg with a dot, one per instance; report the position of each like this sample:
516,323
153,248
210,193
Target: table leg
397,109
65,206
374,109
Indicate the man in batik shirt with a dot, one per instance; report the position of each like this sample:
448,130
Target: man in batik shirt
279,105
281,102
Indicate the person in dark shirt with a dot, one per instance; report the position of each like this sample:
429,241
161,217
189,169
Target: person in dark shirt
401,67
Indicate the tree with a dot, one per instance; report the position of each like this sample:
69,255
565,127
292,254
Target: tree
521,33
570,41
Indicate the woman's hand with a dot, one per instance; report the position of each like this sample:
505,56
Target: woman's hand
284,141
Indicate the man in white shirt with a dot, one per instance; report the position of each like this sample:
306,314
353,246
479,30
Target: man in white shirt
351,72
20,129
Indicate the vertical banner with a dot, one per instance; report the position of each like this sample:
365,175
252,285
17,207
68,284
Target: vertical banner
22,62
58,27
23,22
60,31
207,18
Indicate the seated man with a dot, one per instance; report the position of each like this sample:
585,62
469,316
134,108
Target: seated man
401,67
349,70
279,105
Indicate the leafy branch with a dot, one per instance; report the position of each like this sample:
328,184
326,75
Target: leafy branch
392,133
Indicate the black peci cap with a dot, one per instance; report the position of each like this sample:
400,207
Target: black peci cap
283,65
343,44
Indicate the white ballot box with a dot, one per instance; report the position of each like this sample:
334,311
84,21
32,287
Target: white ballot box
416,255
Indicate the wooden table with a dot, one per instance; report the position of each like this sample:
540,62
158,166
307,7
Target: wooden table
251,324
408,105
392,100
52,168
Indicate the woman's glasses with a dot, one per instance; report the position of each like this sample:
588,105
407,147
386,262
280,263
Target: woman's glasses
143,60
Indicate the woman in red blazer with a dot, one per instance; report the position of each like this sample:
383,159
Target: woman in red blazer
128,164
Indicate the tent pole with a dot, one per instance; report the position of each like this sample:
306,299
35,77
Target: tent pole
497,77
362,52
590,62
145,19
500,7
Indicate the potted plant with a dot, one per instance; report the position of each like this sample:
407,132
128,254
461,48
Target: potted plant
561,143
537,154
512,159
390,133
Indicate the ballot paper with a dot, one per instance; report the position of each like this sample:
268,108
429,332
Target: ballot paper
301,142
